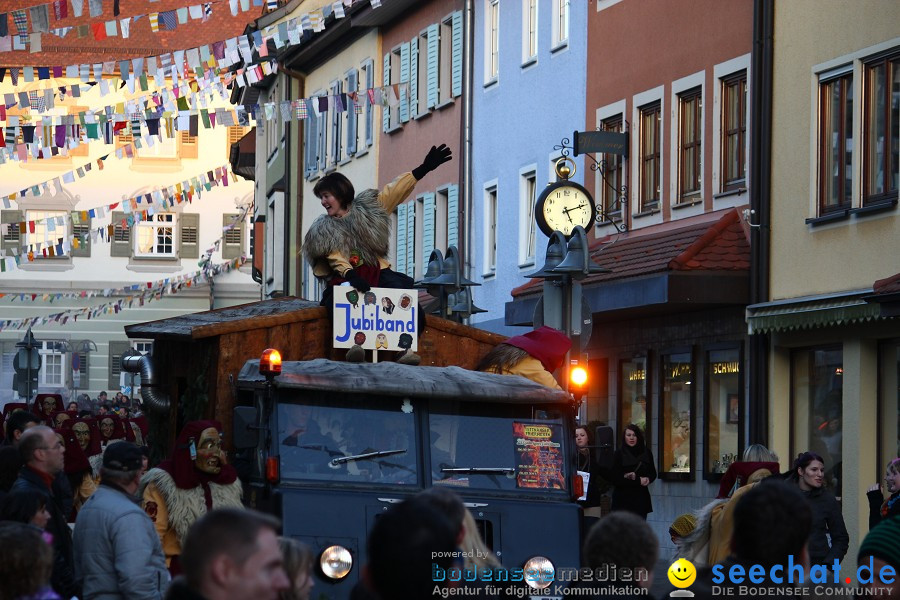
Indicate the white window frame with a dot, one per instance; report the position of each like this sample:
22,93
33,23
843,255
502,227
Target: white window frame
337,147
42,235
368,67
395,75
695,207
351,77
491,211
491,41
639,100
722,71
445,61
51,356
528,191
529,32
145,347
158,221
561,12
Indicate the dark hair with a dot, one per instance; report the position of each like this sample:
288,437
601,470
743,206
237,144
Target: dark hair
501,359
338,186
623,539
18,420
230,531
587,430
448,503
771,522
400,547
801,462
26,560
21,506
639,447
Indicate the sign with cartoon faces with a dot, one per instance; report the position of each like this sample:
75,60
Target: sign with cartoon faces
385,319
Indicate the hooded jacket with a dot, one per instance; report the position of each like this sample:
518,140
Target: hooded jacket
827,519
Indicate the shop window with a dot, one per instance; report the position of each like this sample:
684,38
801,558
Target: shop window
817,407
676,418
633,406
724,411
889,402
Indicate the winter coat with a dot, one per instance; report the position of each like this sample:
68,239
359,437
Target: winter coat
179,590
880,509
629,494
827,518
117,551
63,577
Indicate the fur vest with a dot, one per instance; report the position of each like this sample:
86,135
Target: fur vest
364,231
186,506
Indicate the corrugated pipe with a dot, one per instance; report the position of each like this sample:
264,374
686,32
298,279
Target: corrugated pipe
154,399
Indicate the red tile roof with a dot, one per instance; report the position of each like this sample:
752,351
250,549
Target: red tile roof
712,242
888,285
141,42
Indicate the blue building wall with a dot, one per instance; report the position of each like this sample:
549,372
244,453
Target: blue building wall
517,120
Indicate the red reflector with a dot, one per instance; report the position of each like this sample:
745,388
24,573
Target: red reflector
272,475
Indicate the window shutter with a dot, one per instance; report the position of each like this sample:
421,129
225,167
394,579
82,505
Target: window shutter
352,134
120,244
11,237
411,240
312,144
428,225
82,231
401,238
370,110
456,48
116,350
233,239
452,215
404,78
386,111
189,235
414,77
433,48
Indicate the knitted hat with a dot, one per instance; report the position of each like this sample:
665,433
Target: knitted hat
883,542
683,525
545,344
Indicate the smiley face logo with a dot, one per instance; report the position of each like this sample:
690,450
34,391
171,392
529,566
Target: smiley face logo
682,573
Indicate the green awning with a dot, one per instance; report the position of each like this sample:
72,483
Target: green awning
811,312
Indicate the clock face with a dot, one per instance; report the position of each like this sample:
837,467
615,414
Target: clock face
564,206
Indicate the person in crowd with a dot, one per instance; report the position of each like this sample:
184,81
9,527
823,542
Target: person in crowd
757,463
879,549
43,456
772,523
72,406
401,545
535,355
298,566
112,428
193,481
682,527
597,485
45,405
10,461
26,561
625,540
350,242
231,554
88,436
26,506
103,409
102,399
808,474
632,472
117,551
84,403
879,508
78,471
476,554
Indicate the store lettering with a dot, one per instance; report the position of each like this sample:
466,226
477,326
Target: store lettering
723,368
638,375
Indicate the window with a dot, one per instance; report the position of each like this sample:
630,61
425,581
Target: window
53,359
337,151
49,227
817,407
650,157
690,136
491,227
633,386
676,417
352,133
836,144
527,241
156,236
406,239
529,31
612,188
310,140
734,131
162,148
189,145
114,368
421,76
492,55
445,66
81,234
881,123
10,218
144,347
393,74
889,400
724,410
560,22
368,67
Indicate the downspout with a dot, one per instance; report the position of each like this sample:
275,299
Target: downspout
467,217
154,398
760,204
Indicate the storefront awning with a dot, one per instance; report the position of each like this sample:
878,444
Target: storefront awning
811,311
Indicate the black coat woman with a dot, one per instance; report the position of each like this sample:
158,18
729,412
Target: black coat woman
597,484
633,471
828,539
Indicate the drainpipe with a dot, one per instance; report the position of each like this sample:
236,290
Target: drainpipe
760,205
154,398
468,85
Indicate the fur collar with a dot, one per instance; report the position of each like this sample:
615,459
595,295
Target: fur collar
365,230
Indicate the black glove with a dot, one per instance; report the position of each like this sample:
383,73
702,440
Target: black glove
357,281
437,156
